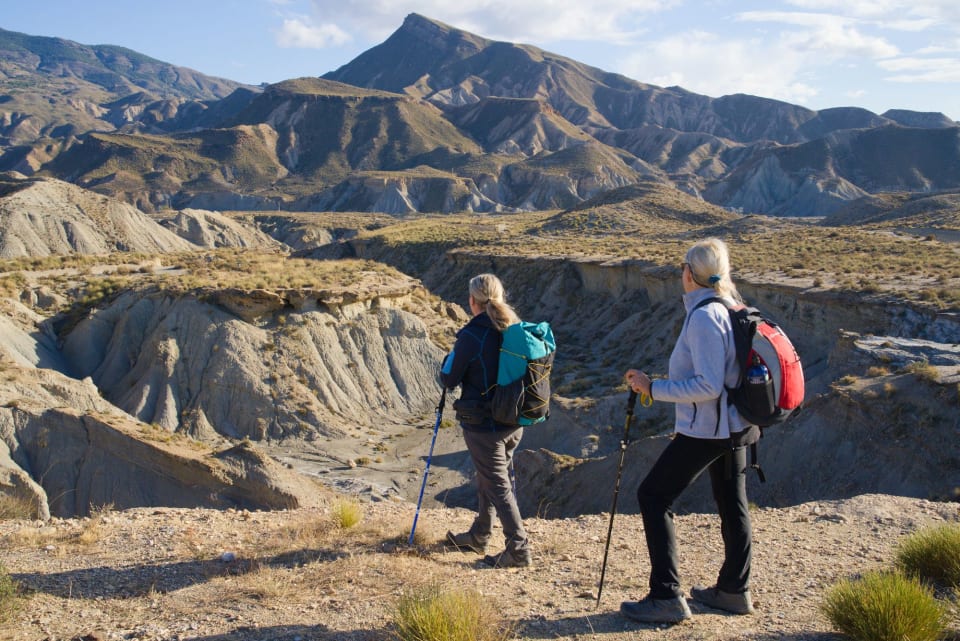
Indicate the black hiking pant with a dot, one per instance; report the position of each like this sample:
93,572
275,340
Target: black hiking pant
683,460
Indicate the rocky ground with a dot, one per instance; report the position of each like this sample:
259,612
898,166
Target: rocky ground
173,574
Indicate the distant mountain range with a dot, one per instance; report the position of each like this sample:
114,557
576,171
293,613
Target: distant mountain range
436,119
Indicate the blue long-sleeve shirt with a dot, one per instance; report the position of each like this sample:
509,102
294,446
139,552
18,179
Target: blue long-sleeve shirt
702,365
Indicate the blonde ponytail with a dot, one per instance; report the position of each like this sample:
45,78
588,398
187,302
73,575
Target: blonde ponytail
488,291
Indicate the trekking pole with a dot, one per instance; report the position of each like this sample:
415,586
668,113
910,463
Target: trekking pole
423,485
631,402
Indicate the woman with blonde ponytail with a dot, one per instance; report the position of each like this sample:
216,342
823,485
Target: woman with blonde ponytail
487,292
472,365
702,368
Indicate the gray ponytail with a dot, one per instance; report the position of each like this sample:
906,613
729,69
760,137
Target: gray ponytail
709,262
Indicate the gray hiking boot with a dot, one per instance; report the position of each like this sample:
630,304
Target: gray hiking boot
714,597
508,559
649,610
466,542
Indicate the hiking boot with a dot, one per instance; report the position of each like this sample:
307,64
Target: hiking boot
508,559
466,542
714,597
649,610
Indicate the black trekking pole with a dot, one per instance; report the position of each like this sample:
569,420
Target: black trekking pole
423,485
631,402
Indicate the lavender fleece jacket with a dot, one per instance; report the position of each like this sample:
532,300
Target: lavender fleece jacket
702,364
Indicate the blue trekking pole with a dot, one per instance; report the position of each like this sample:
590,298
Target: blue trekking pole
423,485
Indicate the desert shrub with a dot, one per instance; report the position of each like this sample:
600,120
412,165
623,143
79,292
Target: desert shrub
13,507
884,606
924,371
346,514
9,595
432,614
933,555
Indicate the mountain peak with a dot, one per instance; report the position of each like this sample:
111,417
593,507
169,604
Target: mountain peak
421,45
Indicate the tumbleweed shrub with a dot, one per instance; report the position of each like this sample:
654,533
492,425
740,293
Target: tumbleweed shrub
885,606
345,513
933,555
434,614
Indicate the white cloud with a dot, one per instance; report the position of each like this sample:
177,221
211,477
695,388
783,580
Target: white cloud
529,22
302,34
914,70
705,63
839,41
908,15
831,35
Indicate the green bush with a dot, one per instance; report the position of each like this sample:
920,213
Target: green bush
433,614
933,555
885,606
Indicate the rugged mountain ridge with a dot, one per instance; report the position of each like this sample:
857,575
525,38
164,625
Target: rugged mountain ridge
54,89
442,120
114,69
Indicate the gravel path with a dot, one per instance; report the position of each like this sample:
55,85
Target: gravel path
172,574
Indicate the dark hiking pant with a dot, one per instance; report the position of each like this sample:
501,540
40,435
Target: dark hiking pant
492,453
683,460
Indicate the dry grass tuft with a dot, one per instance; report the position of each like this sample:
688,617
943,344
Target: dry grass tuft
885,606
933,554
924,371
15,507
435,614
346,513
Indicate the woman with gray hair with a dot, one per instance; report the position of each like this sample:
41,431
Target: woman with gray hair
473,366
702,368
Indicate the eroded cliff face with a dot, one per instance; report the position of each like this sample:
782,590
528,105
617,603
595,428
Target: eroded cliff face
607,309
306,367
44,217
609,316
163,383
260,364
65,451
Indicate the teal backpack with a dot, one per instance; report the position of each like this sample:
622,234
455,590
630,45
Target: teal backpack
522,394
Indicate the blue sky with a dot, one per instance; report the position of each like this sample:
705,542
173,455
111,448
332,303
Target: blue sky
876,54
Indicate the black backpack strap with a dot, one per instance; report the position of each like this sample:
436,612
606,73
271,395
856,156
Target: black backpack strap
707,301
730,463
754,464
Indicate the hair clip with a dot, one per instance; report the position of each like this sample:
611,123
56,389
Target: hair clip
713,280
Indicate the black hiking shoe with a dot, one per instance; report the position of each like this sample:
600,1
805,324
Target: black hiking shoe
648,610
508,559
714,597
466,542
